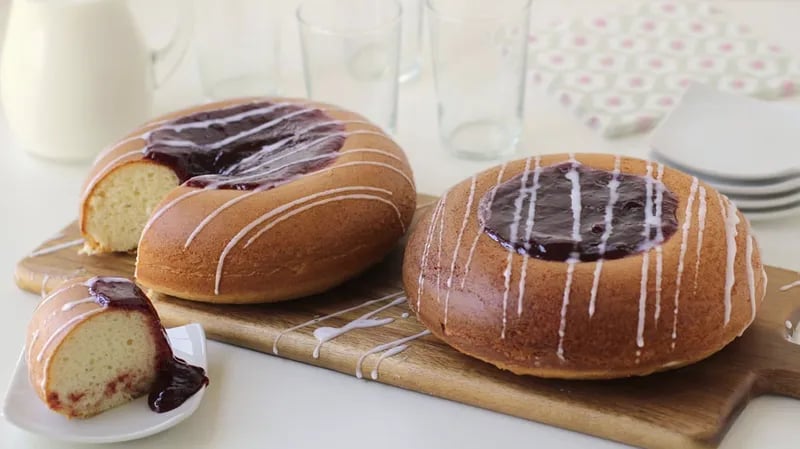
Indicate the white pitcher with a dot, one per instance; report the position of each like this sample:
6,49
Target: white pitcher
76,75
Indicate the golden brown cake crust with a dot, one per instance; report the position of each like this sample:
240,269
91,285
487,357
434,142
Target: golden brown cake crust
372,200
605,344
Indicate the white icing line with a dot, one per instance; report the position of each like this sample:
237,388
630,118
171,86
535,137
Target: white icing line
608,220
464,221
480,227
642,299
43,290
731,220
72,304
426,250
751,282
529,222
575,198
332,315
687,225
659,239
513,234
790,286
64,327
383,347
701,221
56,292
241,234
646,246
326,334
391,352
162,210
562,327
442,216
56,248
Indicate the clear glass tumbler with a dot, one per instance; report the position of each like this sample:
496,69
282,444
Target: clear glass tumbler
411,43
479,51
237,44
351,52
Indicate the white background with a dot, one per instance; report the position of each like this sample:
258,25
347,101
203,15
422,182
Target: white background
260,401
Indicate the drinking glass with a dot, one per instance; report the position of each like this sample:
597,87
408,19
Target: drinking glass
351,52
479,51
411,40
237,48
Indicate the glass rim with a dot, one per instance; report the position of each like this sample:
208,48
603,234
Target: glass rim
394,19
429,5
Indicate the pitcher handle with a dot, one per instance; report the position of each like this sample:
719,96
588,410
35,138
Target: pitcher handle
166,60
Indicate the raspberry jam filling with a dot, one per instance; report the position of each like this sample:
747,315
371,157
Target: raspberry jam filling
245,147
570,211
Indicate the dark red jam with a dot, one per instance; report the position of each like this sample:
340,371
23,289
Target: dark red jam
548,231
255,145
177,381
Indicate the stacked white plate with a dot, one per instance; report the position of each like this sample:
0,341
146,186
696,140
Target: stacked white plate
748,149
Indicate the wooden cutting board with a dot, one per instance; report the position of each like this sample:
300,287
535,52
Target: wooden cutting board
687,408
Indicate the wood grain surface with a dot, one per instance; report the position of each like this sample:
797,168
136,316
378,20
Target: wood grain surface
688,408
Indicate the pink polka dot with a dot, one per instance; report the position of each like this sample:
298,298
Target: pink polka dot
685,82
627,43
788,88
636,82
613,101
707,63
533,39
737,84
668,7
775,48
579,41
607,61
649,25
757,65
644,123
698,27
593,122
585,79
566,100
556,59
656,63
600,23
666,101
726,47
677,45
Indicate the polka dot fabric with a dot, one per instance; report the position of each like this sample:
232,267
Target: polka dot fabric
622,73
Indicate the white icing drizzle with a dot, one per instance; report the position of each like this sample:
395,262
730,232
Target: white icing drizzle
659,239
687,225
442,216
404,315
72,304
391,352
279,210
326,334
384,347
562,326
464,221
529,222
514,231
789,286
332,315
55,248
731,221
29,351
492,193
642,299
56,292
608,220
63,328
575,198
426,249
701,221
43,290
751,277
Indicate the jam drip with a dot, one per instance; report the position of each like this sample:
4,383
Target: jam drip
250,146
551,236
176,381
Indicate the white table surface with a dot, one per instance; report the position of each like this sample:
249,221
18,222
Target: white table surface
259,401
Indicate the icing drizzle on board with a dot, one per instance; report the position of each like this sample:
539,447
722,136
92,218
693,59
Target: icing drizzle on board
572,213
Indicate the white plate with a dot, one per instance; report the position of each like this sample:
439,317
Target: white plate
768,202
775,214
23,408
772,187
730,136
